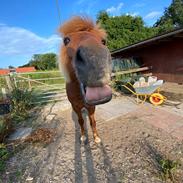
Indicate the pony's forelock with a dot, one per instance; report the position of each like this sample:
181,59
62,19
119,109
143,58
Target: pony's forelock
81,23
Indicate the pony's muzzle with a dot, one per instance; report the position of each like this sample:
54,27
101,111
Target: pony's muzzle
93,69
93,65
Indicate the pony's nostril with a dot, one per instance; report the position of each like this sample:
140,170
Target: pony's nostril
79,57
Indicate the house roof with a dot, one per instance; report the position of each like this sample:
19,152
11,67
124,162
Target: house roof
25,69
4,71
166,36
18,70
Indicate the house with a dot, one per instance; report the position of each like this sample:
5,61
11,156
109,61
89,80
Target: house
25,69
17,70
4,71
163,53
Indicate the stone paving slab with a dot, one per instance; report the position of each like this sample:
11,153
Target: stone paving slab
159,118
115,108
20,134
167,118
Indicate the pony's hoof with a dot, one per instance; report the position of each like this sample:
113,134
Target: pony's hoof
97,140
83,139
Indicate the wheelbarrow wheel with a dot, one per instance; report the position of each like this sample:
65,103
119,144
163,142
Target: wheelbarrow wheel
156,99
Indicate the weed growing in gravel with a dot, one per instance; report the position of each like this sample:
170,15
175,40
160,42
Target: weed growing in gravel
4,155
18,174
168,169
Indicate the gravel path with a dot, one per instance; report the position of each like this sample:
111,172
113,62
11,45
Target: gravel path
129,152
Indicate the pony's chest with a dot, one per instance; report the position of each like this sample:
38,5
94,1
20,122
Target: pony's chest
73,92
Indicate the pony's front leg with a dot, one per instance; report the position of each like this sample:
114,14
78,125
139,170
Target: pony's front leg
91,111
81,123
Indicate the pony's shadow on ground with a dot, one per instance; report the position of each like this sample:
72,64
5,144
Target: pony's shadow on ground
80,165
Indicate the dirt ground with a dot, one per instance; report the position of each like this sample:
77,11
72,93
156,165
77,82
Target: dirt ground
130,151
173,91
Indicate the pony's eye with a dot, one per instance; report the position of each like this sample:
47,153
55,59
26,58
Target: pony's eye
103,41
66,41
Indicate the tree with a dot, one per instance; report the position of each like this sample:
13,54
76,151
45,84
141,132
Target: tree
102,17
172,18
124,30
47,61
11,67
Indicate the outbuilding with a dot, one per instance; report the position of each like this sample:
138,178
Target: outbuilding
163,54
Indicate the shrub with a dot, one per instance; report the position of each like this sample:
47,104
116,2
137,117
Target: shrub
21,103
5,127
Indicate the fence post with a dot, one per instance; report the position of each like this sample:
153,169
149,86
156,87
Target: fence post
4,93
14,79
29,83
8,82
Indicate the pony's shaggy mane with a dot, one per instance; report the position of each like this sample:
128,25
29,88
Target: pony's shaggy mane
77,24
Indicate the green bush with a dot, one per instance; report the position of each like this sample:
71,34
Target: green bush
120,80
21,103
5,127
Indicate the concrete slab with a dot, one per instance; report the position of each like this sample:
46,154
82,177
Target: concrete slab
115,108
20,134
162,119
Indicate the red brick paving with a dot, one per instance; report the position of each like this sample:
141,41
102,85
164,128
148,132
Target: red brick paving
159,118
178,133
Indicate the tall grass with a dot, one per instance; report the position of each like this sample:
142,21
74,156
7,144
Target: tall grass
2,82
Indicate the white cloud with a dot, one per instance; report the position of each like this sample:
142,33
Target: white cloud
115,10
133,14
16,41
153,14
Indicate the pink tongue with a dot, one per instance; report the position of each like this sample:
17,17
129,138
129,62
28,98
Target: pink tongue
97,93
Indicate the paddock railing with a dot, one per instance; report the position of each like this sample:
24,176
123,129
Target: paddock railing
50,85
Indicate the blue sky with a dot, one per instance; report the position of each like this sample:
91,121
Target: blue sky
29,27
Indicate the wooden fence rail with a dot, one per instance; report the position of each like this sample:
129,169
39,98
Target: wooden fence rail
131,71
18,78
47,91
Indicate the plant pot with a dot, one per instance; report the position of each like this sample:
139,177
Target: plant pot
4,107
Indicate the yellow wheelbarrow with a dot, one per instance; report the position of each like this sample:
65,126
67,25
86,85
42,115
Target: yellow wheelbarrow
143,93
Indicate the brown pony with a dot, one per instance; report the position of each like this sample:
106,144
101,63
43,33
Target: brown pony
86,64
